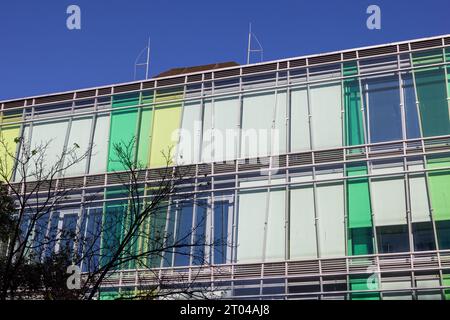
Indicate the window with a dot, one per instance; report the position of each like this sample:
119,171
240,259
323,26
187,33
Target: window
264,134
252,211
330,212
167,117
220,130
100,148
423,236
411,112
382,99
326,116
431,93
302,222
79,142
123,127
191,126
300,135
393,239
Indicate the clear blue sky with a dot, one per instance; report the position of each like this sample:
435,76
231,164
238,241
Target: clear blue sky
39,55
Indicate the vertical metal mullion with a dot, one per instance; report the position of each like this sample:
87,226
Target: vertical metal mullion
344,139
175,231
366,128
269,189
194,225
202,121
447,86
313,171
406,180
92,135
66,139
175,156
236,212
79,218
19,144
88,213
138,129
287,210
212,212
426,173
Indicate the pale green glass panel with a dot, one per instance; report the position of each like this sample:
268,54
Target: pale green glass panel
189,145
420,211
303,243
275,242
226,133
388,198
251,226
257,119
330,211
326,116
431,294
100,145
80,133
279,134
300,140
404,287
207,134
53,135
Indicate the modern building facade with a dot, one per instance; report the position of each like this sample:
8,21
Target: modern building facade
329,174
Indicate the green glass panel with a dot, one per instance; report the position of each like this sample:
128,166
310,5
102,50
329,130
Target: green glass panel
358,198
439,185
112,223
109,295
166,121
363,283
123,126
443,234
446,282
354,131
360,241
145,130
115,294
431,93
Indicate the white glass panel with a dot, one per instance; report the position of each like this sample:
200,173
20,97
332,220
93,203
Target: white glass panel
279,134
257,119
326,116
275,242
220,130
252,212
418,196
302,223
191,126
330,210
388,198
53,135
300,140
100,145
226,133
396,285
207,143
431,294
79,134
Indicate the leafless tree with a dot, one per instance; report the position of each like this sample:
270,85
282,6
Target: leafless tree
31,180
129,234
143,242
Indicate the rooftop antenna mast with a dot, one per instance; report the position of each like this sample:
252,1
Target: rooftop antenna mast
146,51
260,49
